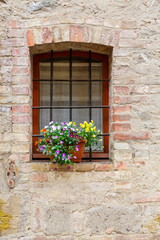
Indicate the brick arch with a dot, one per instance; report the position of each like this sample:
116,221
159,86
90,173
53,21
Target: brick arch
72,33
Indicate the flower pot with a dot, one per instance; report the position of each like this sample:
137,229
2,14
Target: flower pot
78,154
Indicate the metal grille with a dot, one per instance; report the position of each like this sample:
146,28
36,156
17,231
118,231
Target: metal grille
70,107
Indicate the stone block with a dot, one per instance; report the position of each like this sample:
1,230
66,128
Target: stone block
58,220
122,219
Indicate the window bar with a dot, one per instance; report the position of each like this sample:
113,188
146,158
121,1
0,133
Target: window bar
51,85
70,83
90,98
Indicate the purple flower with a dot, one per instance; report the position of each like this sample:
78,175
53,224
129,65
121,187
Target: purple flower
57,152
77,149
63,156
74,157
56,137
61,142
68,167
61,133
55,155
54,161
68,157
55,168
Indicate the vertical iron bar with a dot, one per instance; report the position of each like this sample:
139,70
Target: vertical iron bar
51,85
90,97
70,84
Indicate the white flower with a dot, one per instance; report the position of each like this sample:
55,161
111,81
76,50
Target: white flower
51,123
54,127
59,127
46,127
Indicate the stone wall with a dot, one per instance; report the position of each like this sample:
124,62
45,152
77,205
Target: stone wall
115,200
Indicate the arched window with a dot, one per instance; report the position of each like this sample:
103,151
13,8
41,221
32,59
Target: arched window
71,86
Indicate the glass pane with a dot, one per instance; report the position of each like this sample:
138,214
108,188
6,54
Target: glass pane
61,93
60,115
80,70
44,118
97,93
97,70
97,117
61,69
44,70
44,93
80,115
80,94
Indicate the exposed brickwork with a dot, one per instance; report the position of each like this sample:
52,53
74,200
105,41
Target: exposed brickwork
110,200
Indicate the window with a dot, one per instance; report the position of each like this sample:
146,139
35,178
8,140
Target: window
71,86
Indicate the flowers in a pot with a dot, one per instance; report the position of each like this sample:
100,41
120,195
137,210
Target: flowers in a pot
63,142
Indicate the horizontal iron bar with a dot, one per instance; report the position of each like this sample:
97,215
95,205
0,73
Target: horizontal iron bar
68,107
69,80
103,134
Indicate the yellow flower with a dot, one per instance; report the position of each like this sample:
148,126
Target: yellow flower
90,124
102,147
94,136
70,123
91,121
98,130
100,140
74,124
77,129
94,128
101,133
91,129
87,129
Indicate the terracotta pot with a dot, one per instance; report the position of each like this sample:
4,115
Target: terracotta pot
77,154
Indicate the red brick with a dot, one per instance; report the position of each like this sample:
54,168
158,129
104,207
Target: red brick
40,177
122,136
13,42
47,38
21,61
20,90
76,33
20,109
103,167
20,119
140,136
15,24
121,90
124,127
30,40
83,167
121,117
121,100
120,109
20,52
20,71
15,33
120,166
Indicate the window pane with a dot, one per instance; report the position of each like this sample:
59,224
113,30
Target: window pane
60,93
97,93
44,70
80,94
44,118
80,70
60,115
97,70
97,117
44,93
80,115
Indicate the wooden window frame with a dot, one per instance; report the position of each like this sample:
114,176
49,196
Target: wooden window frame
96,156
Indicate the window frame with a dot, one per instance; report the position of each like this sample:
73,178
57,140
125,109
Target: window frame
91,156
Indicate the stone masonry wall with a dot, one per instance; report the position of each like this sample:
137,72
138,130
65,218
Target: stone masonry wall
116,200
